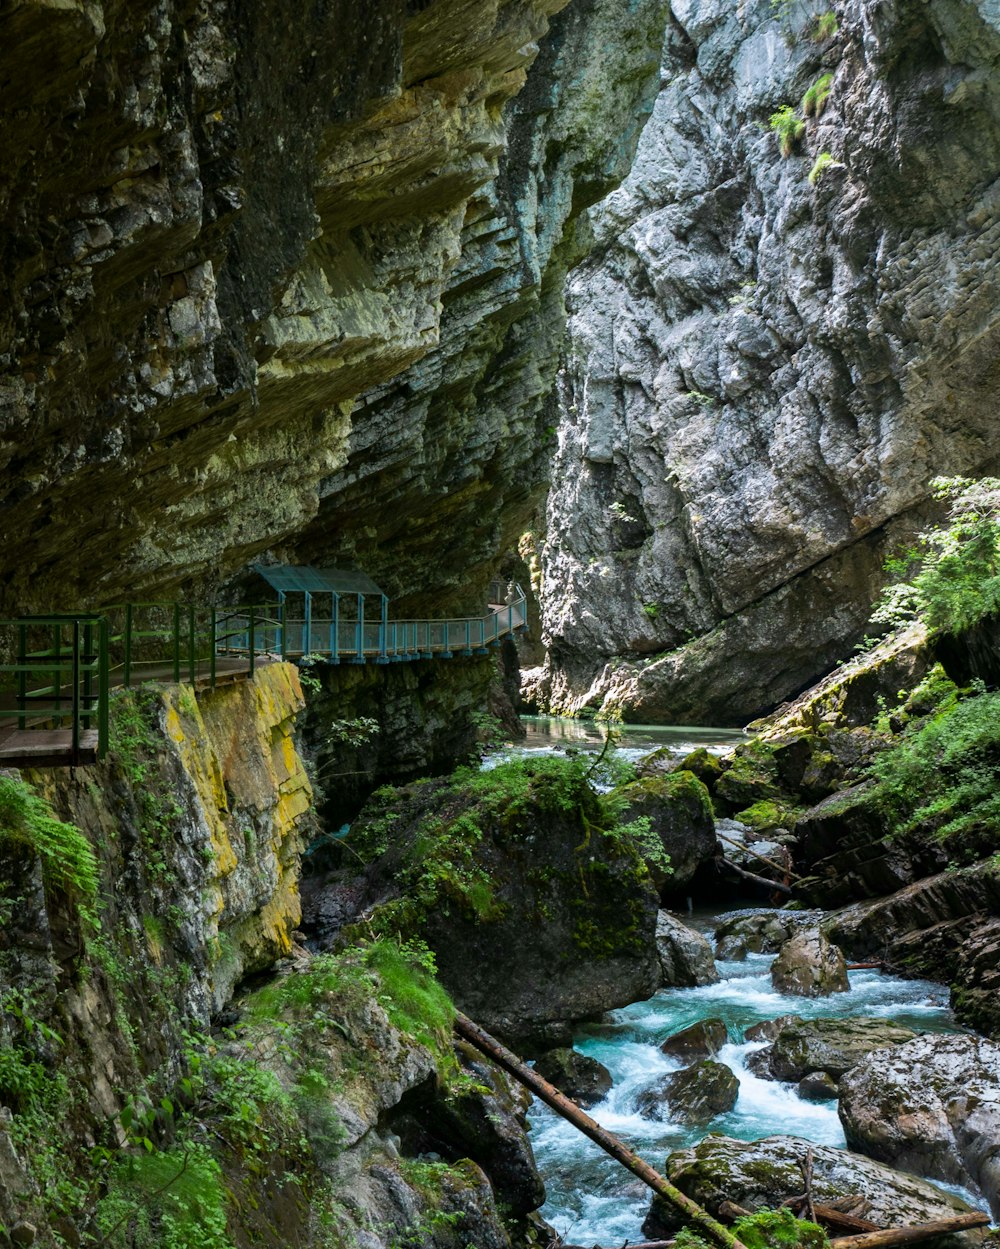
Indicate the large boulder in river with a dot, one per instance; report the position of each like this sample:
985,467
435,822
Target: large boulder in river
685,955
537,905
758,932
932,1105
579,1076
692,1096
702,1040
762,1174
809,965
833,1046
681,823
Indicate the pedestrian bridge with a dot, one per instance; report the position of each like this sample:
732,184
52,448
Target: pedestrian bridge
58,671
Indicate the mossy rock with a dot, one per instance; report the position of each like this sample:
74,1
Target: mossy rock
679,810
766,816
692,1096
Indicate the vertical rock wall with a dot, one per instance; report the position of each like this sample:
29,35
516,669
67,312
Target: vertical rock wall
771,357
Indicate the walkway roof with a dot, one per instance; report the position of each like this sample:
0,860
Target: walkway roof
295,578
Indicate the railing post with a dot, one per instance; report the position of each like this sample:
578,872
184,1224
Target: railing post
252,640
103,690
57,660
213,641
283,641
75,724
127,675
192,646
177,642
87,670
307,624
22,673
359,636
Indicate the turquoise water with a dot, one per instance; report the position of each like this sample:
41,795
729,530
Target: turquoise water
593,1200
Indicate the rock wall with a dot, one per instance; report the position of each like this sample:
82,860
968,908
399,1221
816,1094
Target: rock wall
274,270
770,357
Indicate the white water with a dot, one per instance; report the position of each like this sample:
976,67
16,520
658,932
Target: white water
591,1198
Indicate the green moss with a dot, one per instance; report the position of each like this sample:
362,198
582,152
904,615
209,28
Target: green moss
766,815
68,861
779,1229
816,96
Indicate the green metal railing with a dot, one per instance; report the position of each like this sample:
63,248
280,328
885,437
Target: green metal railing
61,667
56,676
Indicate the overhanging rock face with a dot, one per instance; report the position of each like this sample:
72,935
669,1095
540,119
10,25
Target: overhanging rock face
772,356
270,268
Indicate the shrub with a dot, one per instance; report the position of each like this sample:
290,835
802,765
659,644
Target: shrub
68,861
815,98
789,128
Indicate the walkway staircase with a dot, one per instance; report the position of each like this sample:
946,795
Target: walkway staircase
59,670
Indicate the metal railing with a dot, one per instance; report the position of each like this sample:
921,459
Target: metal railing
56,678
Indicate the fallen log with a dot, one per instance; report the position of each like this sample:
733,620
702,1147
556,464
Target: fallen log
864,966
911,1235
700,1219
840,1220
757,880
738,845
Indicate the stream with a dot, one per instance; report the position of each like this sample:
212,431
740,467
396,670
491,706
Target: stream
590,1198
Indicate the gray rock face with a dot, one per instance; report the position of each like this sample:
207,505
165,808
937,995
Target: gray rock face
809,966
832,1046
932,1105
757,932
693,1096
685,955
764,1173
763,363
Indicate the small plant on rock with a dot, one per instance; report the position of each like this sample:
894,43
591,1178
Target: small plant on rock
815,98
826,26
823,162
789,127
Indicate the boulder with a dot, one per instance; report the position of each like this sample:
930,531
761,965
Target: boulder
580,1077
768,1029
762,1174
808,965
692,1096
833,1046
758,932
931,1105
817,1086
701,1039
680,816
685,955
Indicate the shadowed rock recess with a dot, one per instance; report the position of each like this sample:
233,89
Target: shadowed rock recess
289,278
770,357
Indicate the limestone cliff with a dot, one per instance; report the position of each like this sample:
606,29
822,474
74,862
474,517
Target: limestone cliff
273,269
771,356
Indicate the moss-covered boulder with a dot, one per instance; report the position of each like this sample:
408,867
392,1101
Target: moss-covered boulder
758,932
685,955
762,1174
833,1046
692,1096
526,884
681,823
809,965
577,1075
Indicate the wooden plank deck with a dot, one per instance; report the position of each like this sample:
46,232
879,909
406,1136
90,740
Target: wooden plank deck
46,748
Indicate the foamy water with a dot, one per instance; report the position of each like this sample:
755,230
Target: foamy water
591,1198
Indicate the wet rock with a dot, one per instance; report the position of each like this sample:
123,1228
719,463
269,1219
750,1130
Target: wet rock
580,1077
833,1046
768,1029
685,955
757,932
817,1086
762,1174
693,1096
933,1106
808,965
679,811
704,1038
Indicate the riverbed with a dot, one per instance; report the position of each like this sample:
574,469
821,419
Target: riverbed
590,1198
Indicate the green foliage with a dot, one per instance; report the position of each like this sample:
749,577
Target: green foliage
944,774
823,162
816,96
652,610
789,127
778,1229
825,26
951,579
765,815
68,862
647,842
166,1199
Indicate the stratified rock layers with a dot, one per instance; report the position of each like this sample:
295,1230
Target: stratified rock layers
771,357
269,268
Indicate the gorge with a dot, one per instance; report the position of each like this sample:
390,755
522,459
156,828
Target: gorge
674,313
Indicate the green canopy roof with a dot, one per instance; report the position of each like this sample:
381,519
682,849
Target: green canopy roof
292,578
